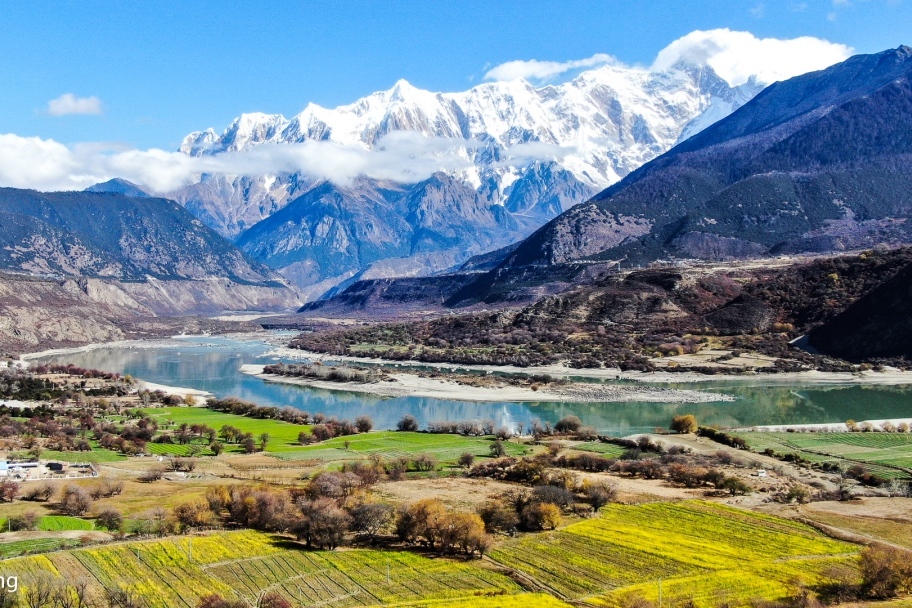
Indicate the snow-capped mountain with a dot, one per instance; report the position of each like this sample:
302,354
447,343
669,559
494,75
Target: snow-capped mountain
524,153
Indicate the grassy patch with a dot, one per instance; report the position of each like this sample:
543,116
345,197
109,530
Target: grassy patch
394,444
283,436
700,550
97,454
58,523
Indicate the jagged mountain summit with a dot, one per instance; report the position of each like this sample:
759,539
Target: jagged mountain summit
522,155
817,163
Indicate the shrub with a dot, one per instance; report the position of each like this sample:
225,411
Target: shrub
26,521
601,493
364,424
466,459
540,516
425,462
554,495
499,517
75,501
369,518
110,519
684,424
886,572
568,424
407,423
152,474
497,448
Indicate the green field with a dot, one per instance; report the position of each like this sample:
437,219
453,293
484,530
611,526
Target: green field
245,563
395,444
97,454
57,523
283,436
37,545
886,454
700,551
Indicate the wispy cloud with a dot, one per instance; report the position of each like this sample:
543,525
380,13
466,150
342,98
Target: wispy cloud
68,104
544,70
758,11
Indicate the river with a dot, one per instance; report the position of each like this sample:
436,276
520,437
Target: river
212,364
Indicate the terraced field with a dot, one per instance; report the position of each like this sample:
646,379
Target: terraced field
698,550
242,564
887,454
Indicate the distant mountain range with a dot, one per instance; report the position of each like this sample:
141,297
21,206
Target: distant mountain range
817,163
525,155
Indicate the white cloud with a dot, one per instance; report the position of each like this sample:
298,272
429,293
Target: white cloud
543,70
736,56
45,164
70,104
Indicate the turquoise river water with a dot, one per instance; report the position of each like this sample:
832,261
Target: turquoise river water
212,364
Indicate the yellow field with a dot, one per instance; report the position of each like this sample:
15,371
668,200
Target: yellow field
700,551
243,564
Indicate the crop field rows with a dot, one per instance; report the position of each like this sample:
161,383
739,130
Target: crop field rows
359,578
242,564
699,549
885,454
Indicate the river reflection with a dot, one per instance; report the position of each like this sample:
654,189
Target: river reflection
212,364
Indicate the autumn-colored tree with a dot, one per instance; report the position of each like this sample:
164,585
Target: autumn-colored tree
686,423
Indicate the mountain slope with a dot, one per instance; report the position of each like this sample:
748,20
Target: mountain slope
816,163
519,154
89,234
878,325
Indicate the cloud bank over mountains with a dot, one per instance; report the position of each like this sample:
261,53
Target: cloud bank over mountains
403,156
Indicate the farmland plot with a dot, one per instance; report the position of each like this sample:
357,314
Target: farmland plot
886,454
698,549
243,564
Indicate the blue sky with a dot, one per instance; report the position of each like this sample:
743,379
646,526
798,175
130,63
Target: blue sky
158,70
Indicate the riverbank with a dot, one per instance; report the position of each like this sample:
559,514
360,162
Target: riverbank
178,391
405,384
890,376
